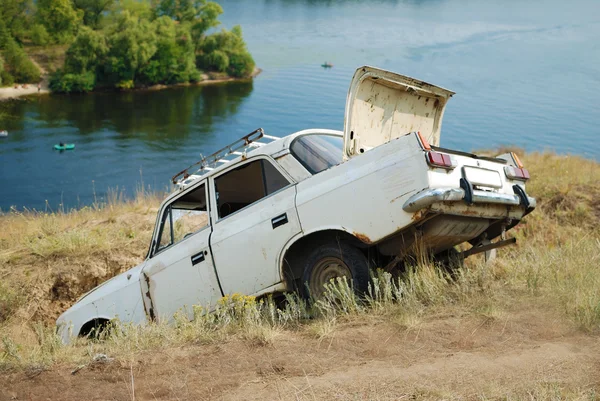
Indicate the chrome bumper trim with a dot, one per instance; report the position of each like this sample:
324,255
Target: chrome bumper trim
430,196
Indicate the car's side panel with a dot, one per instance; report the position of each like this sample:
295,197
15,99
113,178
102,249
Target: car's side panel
246,245
119,298
364,195
182,276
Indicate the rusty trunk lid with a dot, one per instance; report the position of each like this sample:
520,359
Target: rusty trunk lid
383,105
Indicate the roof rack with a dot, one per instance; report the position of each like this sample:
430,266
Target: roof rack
224,155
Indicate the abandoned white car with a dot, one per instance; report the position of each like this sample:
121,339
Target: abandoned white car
268,215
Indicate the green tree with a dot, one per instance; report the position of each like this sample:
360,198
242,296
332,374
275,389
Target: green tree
93,10
226,51
4,34
133,8
206,18
174,59
87,51
67,83
15,15
241,64
190,11
18,64
132,44
39,35
1,70
60,19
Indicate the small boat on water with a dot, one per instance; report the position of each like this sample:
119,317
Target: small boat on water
3,133
326,65
64,146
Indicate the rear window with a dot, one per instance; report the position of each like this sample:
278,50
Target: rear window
318,152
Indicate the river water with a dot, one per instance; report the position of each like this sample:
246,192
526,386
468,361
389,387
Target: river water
526,73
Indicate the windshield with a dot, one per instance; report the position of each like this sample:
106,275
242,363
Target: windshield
318,152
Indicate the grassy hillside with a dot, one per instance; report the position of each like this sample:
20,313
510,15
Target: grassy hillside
546,283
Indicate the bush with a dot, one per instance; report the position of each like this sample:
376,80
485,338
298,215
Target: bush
240,64
18,64
39,35
6,78
10,301
195,76
226,51
1,70
125,84
72,83
217,61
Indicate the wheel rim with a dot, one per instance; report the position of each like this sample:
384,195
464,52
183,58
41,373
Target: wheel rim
326,269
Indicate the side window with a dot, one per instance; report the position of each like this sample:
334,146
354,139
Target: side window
185,216
318,152
247,184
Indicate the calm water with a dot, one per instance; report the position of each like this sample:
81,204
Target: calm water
526,73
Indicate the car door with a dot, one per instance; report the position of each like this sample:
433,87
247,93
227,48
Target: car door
255,216
180,273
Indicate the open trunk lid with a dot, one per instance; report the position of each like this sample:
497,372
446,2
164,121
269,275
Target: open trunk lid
383,105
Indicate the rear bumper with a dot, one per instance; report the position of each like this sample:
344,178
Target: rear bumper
428,197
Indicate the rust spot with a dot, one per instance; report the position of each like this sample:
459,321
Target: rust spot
470,212
362,237
418,215
149,311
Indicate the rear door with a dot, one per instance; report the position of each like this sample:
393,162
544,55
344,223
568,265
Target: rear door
180,272
255,216
383,105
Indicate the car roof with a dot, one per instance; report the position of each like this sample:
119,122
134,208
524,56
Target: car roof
274,149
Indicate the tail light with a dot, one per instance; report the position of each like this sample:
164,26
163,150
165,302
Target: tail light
437,159
516,173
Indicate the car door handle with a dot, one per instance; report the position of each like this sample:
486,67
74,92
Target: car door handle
197,258
279,220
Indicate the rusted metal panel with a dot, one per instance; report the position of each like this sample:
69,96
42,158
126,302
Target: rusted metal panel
362,237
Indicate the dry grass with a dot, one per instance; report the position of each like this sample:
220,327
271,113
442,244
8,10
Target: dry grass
49,58
48,260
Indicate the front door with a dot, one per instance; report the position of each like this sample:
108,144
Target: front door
255,213
180,273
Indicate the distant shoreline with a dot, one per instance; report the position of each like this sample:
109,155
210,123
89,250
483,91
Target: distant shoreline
207,80
12,93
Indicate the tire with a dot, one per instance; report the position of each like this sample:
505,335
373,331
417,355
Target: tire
331,260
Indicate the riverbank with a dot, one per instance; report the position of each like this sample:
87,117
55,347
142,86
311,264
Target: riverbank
207,79
525,326
19,90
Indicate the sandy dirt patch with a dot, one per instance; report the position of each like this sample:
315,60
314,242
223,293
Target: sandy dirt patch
529,354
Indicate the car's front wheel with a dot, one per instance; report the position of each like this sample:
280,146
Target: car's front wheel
331,260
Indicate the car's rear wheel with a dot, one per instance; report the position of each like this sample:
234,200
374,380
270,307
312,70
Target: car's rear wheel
331,260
